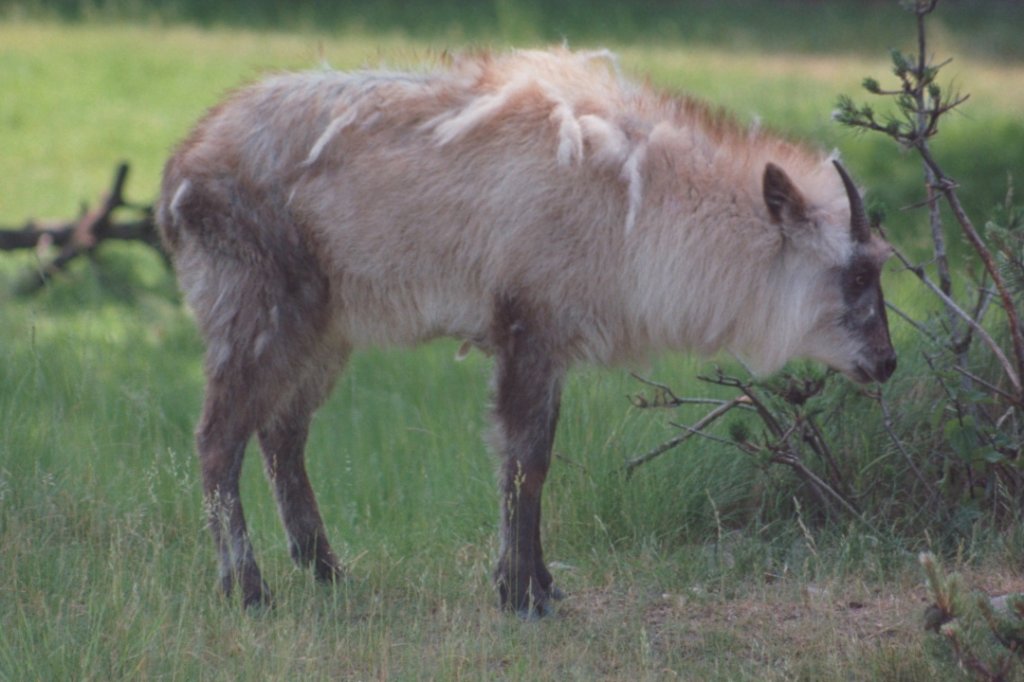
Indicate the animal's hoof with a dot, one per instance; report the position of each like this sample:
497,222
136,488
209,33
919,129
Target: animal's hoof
257,598
540,608
531,597
535,612
329,572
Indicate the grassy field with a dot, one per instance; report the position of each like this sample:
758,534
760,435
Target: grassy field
699,567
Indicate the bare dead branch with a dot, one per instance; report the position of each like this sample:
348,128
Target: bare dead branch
82,236
967,227
988,386
665,397
701,424
887,423
817,441
744,446
986,338
912,322
762,410
820,488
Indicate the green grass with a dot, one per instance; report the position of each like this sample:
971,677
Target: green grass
696,568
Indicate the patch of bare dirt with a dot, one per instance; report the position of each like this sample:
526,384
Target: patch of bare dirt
778,626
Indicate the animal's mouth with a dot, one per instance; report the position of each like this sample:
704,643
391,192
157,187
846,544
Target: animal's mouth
860,375
867,375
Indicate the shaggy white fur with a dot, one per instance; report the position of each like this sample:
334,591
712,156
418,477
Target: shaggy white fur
636,216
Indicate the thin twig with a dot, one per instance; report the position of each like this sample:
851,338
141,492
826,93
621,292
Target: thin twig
654,384
819,444
985,296
887,424
665,397
989,385
979,330
911,321
797,464
763,412
711,437
703,423
967,227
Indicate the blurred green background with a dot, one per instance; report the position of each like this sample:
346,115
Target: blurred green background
989,28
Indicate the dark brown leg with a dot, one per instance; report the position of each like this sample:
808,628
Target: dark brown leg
527,394
261,302
221,439
543,574
246,391
283,442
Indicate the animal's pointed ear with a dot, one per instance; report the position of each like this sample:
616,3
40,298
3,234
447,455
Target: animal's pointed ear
784,201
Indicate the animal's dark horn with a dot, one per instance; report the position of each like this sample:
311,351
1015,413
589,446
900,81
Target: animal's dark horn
860,230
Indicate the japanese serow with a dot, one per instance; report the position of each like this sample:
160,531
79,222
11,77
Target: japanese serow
537,205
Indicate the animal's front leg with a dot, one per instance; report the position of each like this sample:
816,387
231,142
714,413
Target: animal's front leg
527,394
522,580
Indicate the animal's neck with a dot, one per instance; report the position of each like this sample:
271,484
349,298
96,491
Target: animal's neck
717,281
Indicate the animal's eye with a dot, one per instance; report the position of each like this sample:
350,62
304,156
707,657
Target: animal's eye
858,278
863,276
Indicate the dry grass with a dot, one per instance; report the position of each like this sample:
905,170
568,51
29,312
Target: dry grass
782,629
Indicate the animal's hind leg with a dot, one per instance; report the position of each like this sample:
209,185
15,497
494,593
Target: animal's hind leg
227,422
283,441
244,394
251,275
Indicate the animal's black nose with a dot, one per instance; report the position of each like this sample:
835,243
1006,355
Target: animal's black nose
886,367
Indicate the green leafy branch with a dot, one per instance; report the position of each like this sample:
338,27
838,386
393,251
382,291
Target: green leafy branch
920,102
985,634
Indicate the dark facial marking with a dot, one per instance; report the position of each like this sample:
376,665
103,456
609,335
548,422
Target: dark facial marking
860,275
865,317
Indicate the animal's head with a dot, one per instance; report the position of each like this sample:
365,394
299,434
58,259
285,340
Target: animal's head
840,261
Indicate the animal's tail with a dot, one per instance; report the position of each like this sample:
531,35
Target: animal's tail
169,220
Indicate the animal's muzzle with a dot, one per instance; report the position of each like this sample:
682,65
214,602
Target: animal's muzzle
885,367
881,370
